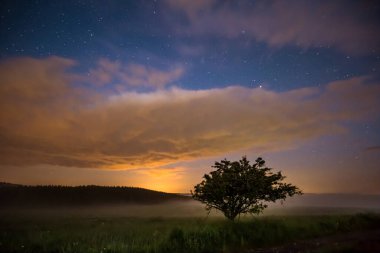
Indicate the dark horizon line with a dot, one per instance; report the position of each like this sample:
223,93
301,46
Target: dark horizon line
2,183
180,193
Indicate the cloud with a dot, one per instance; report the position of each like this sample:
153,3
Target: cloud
373,148
191,8
46,119
132,75
349,27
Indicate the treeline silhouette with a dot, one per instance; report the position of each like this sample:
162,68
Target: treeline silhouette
12,195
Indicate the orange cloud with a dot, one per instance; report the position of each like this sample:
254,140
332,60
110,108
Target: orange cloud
45,119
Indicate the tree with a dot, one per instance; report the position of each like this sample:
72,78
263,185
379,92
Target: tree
238,187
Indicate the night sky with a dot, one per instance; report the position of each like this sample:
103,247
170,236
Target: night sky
151,93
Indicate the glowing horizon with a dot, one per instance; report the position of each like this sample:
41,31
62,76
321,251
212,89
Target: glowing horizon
99,100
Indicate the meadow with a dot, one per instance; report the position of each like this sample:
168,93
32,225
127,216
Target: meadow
85,231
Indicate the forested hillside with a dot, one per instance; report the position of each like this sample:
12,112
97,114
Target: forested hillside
51,195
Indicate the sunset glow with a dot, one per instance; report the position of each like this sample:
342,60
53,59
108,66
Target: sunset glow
150,94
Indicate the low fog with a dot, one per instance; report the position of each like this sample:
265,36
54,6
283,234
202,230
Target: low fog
307,204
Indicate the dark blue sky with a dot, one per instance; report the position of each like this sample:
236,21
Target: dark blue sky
320,59
146,32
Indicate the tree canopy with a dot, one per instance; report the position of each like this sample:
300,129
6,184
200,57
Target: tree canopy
238,187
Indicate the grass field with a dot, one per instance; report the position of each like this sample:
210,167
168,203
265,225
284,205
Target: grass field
78,233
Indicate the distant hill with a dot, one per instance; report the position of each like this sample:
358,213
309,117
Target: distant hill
13,195
4,184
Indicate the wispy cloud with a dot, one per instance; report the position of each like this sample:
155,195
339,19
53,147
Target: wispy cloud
279,23
45,119
373,148
133,75
191,8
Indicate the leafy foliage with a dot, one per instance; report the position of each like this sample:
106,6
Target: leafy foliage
238,187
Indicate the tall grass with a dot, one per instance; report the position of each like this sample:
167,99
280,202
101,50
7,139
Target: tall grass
156,235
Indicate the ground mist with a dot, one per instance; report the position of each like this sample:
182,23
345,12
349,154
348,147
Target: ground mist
170,227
